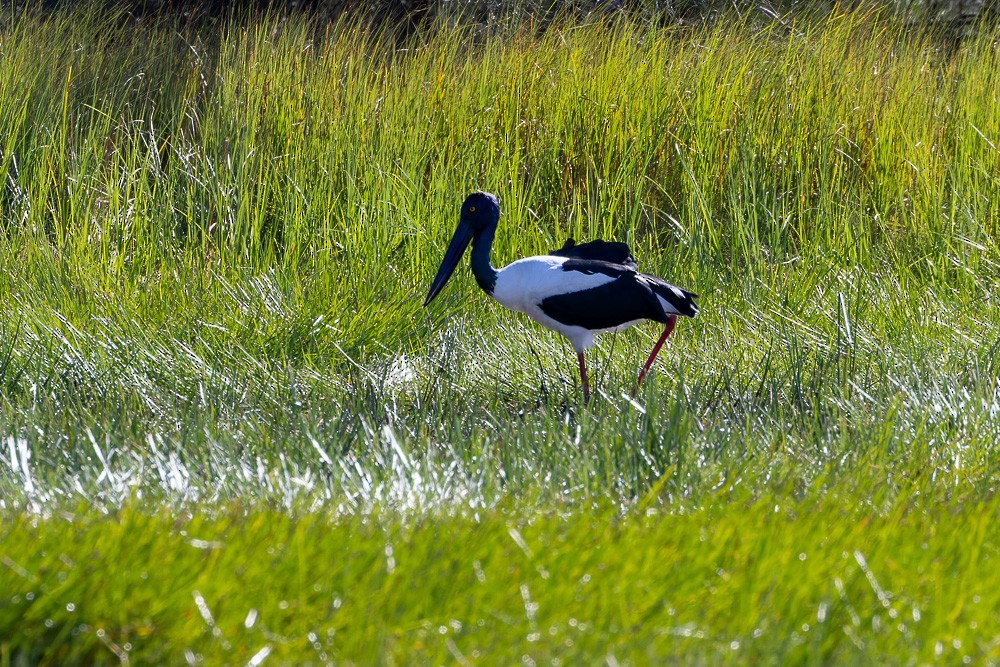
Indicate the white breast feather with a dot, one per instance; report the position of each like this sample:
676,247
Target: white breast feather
529,281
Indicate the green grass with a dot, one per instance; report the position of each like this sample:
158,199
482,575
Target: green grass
813,581
216,370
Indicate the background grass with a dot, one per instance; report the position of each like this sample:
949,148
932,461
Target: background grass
216,369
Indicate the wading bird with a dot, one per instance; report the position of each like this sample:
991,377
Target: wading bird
577,291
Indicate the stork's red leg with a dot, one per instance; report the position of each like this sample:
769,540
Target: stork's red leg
671,321
583,377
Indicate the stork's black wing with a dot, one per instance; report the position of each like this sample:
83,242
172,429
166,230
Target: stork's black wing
626,298
614,252
629,296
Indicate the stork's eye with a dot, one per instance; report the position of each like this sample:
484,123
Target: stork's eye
472,209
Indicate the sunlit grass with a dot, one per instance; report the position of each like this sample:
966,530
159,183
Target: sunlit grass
215,247
783,580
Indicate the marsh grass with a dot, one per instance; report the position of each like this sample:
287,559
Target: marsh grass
215,249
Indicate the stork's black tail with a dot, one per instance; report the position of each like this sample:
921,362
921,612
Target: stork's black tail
675,300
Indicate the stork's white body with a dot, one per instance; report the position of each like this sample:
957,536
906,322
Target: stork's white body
524,284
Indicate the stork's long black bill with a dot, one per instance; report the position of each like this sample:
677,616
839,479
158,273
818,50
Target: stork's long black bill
459,242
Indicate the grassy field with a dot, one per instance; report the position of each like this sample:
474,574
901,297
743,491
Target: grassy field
229,433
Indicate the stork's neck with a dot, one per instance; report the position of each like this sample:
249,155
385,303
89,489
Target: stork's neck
486,275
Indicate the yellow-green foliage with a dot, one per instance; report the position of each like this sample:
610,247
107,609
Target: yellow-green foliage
803,583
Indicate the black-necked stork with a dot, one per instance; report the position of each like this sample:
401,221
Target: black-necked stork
577,291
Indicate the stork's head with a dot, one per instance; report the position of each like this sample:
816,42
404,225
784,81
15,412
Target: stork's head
480,212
